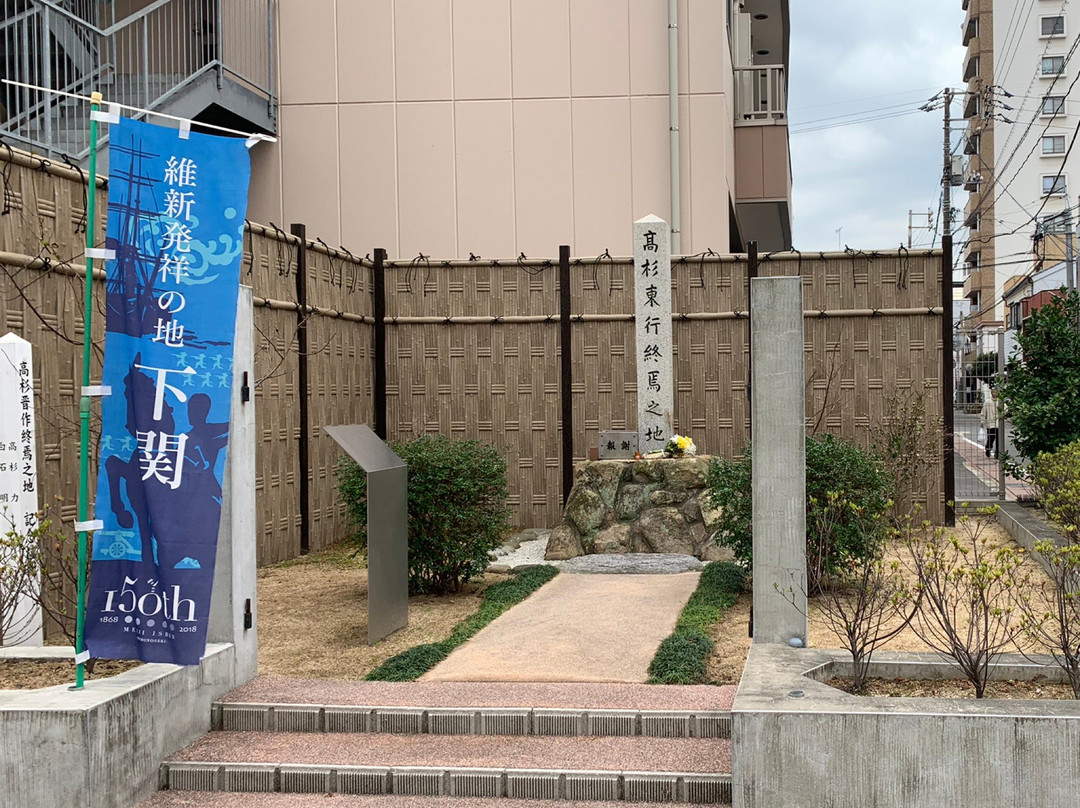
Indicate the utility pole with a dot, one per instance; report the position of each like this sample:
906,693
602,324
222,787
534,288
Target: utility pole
947,176
1070,261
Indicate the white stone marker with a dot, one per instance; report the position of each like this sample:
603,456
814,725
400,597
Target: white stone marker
779,460
18,470
652,331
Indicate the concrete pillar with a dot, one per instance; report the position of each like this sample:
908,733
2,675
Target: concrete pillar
779,460
232,605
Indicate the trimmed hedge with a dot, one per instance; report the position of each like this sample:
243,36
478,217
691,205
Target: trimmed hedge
681,658
457,508
418,660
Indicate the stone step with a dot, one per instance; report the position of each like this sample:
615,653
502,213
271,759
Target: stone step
218,799
537,721
639,769
554,695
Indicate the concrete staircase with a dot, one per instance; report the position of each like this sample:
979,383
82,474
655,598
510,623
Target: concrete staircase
491,742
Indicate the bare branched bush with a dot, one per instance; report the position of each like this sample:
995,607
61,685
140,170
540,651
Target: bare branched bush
1050,616
908,442
865,603
967,587
19,575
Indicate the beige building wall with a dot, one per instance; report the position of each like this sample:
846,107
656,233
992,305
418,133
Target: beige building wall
497,127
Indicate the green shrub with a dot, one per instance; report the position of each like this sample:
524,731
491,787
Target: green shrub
1056,476
1041,392
832,465
418,660
682,657
457,508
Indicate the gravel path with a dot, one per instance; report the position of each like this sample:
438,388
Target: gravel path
587,696
481,751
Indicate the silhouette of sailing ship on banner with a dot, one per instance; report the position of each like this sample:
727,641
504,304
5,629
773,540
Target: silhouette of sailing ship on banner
176,219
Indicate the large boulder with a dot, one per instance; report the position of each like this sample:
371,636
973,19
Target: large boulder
585,509
563,543
614,539
664,530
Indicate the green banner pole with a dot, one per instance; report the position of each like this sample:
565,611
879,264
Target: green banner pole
84,401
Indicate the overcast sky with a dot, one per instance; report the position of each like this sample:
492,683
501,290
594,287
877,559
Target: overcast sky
877,59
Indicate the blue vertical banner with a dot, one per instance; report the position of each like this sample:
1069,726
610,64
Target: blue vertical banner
176,223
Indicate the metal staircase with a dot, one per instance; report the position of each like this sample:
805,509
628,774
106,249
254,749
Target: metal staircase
201,59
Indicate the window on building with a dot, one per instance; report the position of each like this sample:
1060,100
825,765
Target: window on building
1053,144
974,144
1053,105
1053,25
1053,65
1053,185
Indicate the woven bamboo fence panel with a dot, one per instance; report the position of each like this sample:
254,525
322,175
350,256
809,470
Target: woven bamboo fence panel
340,378
499,382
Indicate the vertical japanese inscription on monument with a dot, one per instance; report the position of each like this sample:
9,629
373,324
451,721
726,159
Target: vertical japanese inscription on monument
652,330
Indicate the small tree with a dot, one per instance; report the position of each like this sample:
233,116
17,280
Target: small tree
967,595
1052,619
866,602
1041,391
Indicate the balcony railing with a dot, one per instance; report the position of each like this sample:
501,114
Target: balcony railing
142,60
761,94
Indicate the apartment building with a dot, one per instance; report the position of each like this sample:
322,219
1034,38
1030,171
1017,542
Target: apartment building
1018,168
453,127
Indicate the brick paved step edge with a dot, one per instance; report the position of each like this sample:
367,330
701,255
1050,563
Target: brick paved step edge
469,720
693,788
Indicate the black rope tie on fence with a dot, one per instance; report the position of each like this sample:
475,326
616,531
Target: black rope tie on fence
330,262
44,165
474,257
930,311
822,314
355,268
282,252
496,320
249,235
798,266
875,312
448,321
5,174
528,270
905,260
604,256
414,269
80,226
739,315
550,318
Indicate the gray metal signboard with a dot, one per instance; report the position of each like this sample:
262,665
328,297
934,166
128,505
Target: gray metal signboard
387,527
617,445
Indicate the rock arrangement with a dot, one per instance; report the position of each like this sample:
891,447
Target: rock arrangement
638,506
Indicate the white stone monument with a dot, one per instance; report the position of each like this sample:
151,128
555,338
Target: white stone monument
652,330
18,473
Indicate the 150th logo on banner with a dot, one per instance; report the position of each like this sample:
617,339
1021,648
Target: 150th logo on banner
176,223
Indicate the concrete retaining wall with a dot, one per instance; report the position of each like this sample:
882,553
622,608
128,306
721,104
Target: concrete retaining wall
102,747
828,748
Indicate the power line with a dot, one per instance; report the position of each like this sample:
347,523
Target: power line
855,122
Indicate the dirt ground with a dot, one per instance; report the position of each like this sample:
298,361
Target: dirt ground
959,688
29,674
733,641
313,617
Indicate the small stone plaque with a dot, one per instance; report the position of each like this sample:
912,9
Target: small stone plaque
618,445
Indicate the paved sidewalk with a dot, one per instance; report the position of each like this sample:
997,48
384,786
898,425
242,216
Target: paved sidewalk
578,628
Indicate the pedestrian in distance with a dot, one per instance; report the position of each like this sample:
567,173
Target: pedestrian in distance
988,419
